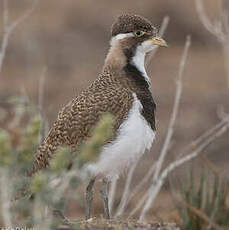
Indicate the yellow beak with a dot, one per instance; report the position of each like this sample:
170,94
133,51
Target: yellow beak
159,41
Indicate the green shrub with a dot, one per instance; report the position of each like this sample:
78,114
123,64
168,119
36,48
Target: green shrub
15,159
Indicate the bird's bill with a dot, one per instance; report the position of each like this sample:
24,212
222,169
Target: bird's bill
159,41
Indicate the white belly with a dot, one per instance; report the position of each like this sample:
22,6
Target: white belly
134,137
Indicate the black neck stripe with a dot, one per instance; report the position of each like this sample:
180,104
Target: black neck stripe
142,90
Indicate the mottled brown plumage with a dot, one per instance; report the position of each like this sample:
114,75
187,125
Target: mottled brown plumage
128,23
111,92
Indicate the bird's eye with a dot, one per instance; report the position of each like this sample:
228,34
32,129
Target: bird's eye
138,33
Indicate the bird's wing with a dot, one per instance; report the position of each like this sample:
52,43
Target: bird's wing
76,119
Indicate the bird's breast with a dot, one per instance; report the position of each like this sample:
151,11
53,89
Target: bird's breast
134,136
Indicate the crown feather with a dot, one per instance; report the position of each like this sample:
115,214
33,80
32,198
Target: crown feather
128,23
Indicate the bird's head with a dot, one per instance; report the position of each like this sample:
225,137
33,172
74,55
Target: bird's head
133,35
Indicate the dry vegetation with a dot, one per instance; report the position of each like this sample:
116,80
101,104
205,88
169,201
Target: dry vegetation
42,49
119,224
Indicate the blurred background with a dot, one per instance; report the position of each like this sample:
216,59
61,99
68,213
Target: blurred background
67,42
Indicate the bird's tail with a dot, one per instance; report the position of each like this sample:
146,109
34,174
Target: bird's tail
45,151
41,160
43,155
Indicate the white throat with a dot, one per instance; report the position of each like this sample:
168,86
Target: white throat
138,61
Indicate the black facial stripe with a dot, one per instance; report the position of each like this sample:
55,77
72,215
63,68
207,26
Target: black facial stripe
142,88
129,53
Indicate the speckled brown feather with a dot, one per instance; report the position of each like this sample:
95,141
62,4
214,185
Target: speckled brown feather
111,92
128,23
75,120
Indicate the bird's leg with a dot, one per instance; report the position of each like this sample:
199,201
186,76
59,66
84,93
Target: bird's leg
89,198
103,192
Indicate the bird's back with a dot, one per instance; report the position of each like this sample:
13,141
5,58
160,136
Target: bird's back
74,122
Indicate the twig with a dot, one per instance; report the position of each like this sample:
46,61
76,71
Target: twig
225,47
139,204
139,187
220,29
41,89
9,28
193,145
201,138
213,29
155,188
143,181
210,165
225,44
5,38
225,16
18,116
222,115
125,194
175,110
45,125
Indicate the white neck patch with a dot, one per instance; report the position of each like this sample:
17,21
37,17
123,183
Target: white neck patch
138,59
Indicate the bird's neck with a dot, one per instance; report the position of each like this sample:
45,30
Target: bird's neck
121,60
116,58
138,61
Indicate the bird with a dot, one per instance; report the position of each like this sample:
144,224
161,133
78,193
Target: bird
122,89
